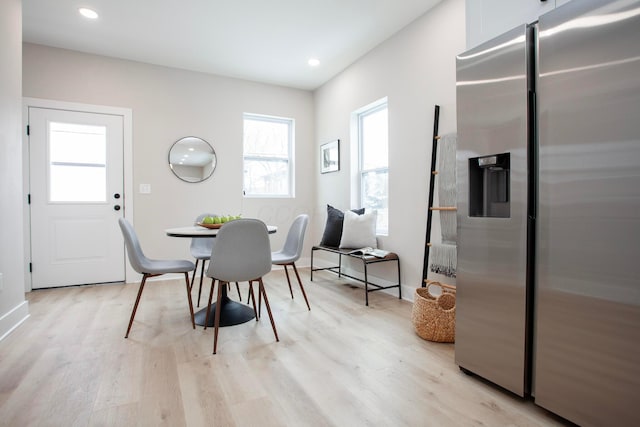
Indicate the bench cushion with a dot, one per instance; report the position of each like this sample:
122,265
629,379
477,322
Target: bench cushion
359,231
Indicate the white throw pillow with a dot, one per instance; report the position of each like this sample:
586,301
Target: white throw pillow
359,231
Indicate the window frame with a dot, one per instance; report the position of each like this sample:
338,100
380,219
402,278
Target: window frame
290,122
359,116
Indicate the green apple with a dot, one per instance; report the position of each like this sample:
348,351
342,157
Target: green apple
207,220
216,220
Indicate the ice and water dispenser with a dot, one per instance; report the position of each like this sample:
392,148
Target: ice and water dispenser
489,186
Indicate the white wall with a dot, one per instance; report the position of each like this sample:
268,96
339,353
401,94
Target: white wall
415,69
487,19
169,104
13,307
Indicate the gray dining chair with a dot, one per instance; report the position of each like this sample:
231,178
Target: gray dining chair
201,250
242,253
291,251
151,267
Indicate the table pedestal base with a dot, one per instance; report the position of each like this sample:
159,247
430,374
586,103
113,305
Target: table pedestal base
232,313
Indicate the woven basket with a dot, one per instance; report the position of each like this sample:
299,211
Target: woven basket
434,316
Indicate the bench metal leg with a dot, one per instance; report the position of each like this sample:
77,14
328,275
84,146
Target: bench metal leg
399,285
312,251
366,285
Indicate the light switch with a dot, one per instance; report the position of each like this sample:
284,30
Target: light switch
145,188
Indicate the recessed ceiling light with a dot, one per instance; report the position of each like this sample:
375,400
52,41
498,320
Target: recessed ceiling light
88,13
314,62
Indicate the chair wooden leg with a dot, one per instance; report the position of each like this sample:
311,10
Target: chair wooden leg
288,280
186,279
135,306
193,276
201,278
238,289
216,322
253,299
206,318
304,294
266,302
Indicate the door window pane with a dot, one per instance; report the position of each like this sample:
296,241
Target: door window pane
77,163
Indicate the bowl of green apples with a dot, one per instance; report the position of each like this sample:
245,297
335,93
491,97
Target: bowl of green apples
217,221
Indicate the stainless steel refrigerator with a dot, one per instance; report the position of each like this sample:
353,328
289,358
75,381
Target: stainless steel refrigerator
548,299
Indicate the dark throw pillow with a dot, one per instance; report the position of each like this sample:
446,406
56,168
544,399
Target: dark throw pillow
333,228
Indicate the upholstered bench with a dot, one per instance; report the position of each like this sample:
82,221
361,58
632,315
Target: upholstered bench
366,261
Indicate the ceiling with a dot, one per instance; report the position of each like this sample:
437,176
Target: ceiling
268,41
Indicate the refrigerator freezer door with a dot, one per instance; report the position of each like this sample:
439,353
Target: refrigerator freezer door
588,302
492,210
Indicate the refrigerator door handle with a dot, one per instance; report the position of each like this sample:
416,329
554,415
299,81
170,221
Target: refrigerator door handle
532,154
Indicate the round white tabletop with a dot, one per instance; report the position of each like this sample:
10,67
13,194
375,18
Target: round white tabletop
198,231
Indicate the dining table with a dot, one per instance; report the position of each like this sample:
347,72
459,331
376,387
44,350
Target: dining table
231,312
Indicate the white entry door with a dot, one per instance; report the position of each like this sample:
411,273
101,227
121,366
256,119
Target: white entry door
76,197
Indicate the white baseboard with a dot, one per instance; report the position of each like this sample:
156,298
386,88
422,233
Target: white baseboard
14,318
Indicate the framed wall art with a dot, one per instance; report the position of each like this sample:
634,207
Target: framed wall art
330,156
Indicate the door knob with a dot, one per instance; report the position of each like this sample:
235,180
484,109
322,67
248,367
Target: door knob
116,207
116,196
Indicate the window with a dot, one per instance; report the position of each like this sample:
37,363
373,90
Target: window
268,154
77,163
373,142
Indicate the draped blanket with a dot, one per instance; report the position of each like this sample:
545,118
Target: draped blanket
444,256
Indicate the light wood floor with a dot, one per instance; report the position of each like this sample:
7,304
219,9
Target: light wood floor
340,364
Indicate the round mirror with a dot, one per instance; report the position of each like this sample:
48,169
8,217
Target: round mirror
192,159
